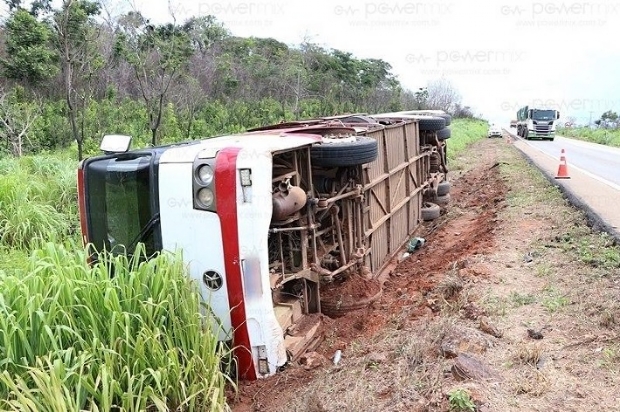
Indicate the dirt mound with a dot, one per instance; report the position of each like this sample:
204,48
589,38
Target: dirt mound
339,298
350,291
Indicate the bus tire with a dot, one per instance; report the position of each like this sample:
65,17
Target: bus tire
430,211
443,200
431,123
342,154
446,117
444,133
443,188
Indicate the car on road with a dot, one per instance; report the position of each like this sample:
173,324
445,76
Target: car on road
494,131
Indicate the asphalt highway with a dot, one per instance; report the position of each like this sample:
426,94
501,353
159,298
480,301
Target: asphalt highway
594,175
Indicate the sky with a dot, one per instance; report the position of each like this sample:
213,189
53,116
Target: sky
500,55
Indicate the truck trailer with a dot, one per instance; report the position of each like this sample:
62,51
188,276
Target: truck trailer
533,123
266,217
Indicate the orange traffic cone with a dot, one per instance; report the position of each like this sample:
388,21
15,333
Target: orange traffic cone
562,169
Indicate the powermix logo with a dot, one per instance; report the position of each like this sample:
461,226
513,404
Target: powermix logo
466,61
558,14
393,14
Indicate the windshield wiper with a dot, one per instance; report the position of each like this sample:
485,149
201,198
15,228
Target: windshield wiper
145,230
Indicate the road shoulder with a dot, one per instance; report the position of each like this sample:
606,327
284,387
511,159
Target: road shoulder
598,200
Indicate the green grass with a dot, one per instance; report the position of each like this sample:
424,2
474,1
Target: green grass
495,305
464,133
601,136
544,270
554,299
12,260
74,338
522,299
460,401
598,251
38,200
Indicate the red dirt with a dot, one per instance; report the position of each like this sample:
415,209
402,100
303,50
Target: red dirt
450,241
350,290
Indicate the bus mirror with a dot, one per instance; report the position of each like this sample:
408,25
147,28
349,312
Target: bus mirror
557,115
115,143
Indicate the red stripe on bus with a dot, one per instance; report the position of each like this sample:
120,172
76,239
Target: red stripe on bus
226,202
82,203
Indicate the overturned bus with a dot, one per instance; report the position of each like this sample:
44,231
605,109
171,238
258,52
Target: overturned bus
264,218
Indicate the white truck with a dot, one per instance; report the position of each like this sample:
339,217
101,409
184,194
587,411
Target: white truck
535,123
264,218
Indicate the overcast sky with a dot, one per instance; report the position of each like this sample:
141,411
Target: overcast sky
500,54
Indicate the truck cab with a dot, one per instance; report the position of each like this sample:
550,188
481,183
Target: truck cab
536,123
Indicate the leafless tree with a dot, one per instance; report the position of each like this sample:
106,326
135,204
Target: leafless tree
80,61
3,55
15,121
189,97
442,95
158,56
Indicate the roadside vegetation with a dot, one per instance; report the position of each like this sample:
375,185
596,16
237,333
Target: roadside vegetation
70,76
608,137
464,133
38,200
75,338
604,131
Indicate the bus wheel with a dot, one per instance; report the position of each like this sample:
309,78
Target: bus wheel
346,153
430,211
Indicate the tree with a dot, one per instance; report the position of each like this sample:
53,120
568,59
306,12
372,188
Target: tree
13,4
294,84
157,55
442,95
421,99
80,60
16,118
37,7
609,119
204,32
571,121
463,111
609,116
30,58
189,98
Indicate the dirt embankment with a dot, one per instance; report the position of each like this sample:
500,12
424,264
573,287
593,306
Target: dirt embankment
510,304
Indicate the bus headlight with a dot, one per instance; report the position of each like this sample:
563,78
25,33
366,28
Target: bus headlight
203,184
206,197
205,174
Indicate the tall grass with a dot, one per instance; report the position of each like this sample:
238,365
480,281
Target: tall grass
38,200
73,338
464,133
600,136
12,260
